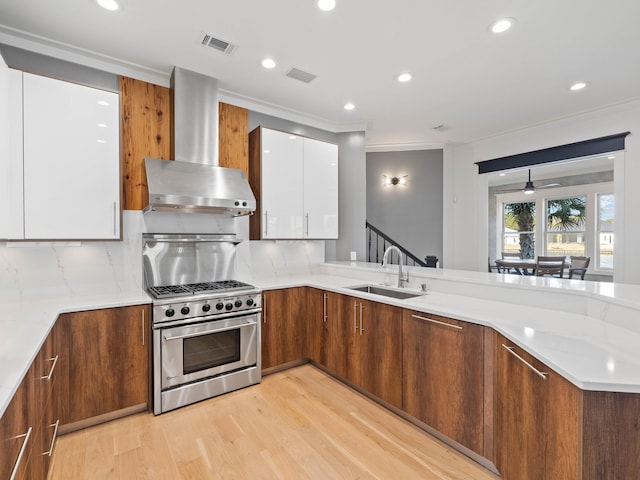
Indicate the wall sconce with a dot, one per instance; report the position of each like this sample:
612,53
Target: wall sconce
395,181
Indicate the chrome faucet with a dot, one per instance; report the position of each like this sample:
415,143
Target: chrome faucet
401,278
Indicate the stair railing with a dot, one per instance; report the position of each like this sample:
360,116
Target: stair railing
377,243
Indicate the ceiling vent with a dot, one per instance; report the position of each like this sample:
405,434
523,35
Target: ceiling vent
217,44
301,75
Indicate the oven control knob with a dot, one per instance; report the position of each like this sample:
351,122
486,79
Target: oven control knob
185,310
238,303
229,306
170,312
206,307
219,306
249,302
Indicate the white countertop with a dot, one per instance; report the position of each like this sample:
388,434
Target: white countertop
591,353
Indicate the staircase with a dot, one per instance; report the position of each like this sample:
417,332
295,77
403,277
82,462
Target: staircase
378,242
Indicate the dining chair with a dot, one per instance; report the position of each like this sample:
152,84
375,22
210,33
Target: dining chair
550,266
516,255
493,267
578,266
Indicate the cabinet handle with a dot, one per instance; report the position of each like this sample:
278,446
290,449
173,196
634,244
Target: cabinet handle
307,229
535,370
436,321
115,219
266,223
324,307
53,367
53,439
355,309
22,450
361,329
264,308
142,326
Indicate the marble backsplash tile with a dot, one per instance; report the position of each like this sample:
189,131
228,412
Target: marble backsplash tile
50,269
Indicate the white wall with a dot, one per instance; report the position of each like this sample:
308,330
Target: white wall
465,192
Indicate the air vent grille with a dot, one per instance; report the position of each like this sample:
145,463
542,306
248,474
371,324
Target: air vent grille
301,75
218,44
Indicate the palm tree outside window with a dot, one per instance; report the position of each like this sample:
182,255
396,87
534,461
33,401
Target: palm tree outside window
565,226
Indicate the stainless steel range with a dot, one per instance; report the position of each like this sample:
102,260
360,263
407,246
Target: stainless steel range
206,325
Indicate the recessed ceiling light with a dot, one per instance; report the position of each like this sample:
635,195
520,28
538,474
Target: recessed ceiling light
577,86
502,174
326,5
611,157
349,106
111,5
404,77
268,63
103,103
502,25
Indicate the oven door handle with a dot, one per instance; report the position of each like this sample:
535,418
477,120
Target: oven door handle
207,332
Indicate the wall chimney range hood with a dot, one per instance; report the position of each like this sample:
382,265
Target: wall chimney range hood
194,182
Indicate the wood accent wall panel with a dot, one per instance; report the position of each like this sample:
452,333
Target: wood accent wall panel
146,132
233,137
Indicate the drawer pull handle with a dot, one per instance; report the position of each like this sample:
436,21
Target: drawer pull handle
53,439
324,301
53,367
535,370
450,325
355,310
22,450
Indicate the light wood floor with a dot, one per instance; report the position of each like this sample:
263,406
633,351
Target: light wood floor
297,424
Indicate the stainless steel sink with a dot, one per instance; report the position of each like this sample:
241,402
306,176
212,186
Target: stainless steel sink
386,292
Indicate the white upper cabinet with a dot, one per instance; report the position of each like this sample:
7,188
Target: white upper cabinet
11,195
296,179
320,189
282,194
70,162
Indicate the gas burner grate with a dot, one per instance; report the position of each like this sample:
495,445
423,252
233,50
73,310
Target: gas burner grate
167,291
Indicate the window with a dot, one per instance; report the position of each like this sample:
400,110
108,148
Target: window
605,232
518,234
565,226
574,220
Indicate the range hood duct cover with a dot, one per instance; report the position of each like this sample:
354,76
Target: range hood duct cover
194,182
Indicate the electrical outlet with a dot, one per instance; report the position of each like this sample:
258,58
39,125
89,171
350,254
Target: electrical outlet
353,256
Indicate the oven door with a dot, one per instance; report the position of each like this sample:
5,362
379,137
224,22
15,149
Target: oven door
198,351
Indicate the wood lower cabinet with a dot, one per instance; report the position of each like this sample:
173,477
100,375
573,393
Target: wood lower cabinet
328,332
547,428
537,418
442,376
29,425
16,433
108,360
358,340
376,359
284,326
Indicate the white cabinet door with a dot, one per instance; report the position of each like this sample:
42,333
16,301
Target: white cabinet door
11,224
320,189
71,161
281,185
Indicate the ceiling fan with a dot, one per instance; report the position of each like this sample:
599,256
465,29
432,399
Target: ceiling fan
529,188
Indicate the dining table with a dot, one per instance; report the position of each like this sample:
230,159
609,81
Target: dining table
521,266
